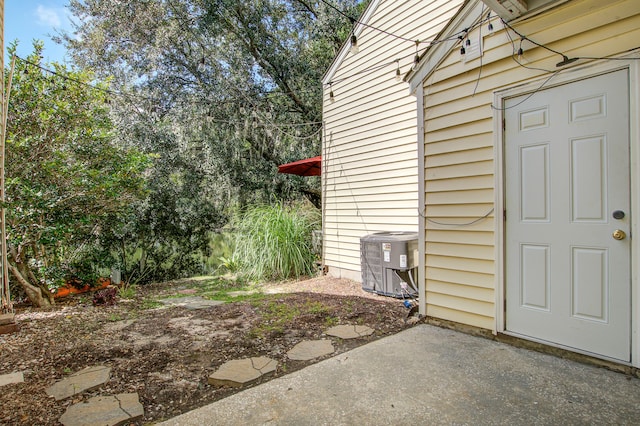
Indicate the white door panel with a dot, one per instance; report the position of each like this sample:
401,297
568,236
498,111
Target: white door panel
567,171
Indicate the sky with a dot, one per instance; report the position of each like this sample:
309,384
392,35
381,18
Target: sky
26,20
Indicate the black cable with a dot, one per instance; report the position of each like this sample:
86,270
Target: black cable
513,54
473,222
530,94
481,53
355,21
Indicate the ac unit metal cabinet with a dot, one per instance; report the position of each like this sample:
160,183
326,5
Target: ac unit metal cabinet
389,262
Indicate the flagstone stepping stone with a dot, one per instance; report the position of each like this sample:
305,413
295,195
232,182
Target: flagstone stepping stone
242,372
104,411
8,379
310,349
8,326
86,379
7,319
194,302
350,331
119,325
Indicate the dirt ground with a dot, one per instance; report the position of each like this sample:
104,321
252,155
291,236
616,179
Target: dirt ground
166,354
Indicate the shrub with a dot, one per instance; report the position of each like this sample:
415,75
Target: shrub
274,241
105,297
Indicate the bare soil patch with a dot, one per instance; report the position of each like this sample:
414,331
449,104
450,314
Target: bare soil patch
166,354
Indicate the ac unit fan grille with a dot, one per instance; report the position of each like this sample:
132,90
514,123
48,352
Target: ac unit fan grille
371,253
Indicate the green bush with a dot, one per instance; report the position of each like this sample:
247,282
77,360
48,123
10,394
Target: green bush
274,241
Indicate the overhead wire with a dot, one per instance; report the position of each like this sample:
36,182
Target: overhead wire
355,21
566,60
514,52
187,28
131,97
460,36
475,88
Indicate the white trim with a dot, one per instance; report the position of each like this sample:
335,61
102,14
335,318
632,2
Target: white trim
568,76
346,46
507,9
538,11
422,279
634,158
465,18
498,147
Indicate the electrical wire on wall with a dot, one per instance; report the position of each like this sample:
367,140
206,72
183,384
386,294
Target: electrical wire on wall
456,224
462,37
475,88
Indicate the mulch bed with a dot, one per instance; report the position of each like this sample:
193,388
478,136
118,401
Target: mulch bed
167,354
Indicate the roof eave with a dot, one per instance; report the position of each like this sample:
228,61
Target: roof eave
346,46
465,18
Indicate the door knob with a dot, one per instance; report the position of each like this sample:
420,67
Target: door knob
619,234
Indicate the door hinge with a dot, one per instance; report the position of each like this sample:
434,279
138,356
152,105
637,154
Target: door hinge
504,215
504,124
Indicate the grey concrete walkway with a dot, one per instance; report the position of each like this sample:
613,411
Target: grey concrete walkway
428,376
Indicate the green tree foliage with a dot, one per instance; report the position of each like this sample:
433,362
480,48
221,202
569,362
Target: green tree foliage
235,83
66,174
220,92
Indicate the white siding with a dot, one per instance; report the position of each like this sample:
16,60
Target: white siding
370,175
459,144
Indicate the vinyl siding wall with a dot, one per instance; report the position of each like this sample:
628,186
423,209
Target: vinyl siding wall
370,175
459,144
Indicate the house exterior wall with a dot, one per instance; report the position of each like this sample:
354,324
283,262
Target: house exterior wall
370,175
462,283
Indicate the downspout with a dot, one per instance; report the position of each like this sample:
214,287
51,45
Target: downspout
422,275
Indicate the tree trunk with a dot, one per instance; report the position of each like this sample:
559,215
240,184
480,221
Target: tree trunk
34,293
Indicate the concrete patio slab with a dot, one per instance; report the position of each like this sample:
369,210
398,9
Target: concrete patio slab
104,411
433,376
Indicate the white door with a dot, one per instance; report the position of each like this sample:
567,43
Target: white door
567,193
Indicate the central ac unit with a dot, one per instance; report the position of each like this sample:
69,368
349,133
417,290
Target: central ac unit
389,262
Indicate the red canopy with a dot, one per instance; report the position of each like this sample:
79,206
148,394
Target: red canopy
306,167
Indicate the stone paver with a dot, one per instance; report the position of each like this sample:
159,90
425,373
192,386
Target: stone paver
7,319
8,379
310,349
242,372
350,331
9,328
104,411
195,302
86,379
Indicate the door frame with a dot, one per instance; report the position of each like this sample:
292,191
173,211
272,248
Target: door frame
531,86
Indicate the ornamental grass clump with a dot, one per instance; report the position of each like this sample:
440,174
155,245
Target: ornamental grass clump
274,241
